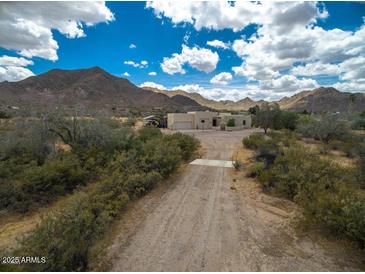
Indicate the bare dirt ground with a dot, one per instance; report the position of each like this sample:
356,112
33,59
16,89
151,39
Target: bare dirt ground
213,219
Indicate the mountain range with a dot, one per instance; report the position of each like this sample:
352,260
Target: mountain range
96,90
322,99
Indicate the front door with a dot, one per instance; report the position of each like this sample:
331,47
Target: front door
215,124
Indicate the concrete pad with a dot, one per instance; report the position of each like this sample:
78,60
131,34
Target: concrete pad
206,162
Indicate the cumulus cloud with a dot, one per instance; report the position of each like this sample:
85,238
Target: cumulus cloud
222,78
237,15
313,69
287,35
142,64
199,58
13,68
126,74
132,46
353,69
152,85
288,83
356,86
218,44
211,93
14,61
152,73
26,27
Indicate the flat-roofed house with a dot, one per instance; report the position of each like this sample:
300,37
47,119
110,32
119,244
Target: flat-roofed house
208,120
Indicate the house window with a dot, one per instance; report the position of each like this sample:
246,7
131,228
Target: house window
244,122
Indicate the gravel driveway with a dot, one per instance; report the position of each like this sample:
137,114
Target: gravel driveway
201,224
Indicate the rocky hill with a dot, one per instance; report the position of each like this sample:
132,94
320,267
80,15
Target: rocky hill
92,89
243,104
324,100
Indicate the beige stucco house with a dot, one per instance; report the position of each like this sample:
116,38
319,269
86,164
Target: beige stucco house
208,120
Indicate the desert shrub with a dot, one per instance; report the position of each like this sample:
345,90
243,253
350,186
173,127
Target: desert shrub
161,156
285,137
148,133
297,172
4,114
325,129
66,237
266,148
187,144
106,135
231,123
41,184
27,140
358,124
352,145
13,167
255,169
341,210
253,141
237,164
329,193
361,168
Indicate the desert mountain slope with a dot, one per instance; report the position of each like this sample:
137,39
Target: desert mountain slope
324,99
92,89
243,104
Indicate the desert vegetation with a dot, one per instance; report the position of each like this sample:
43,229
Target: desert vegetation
100,163
317,162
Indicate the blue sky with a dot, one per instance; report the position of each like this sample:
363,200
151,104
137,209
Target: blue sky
271,51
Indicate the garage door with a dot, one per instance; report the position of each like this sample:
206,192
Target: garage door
183,125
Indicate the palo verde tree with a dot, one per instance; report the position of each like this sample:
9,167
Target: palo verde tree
267,116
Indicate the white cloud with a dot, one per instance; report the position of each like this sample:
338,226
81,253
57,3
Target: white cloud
14,61
353,69
26,27
152,73
14,73
350,86
288,83
218,44
237,15
13,68
312,69
287,35
199,58
222,78
126,74
142,64
173,64
132,46
152,85
221,94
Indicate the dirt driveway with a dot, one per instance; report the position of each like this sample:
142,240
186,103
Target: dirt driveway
202,223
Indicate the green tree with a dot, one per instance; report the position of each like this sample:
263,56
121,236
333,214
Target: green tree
287,119
267,116
231,123
254,110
